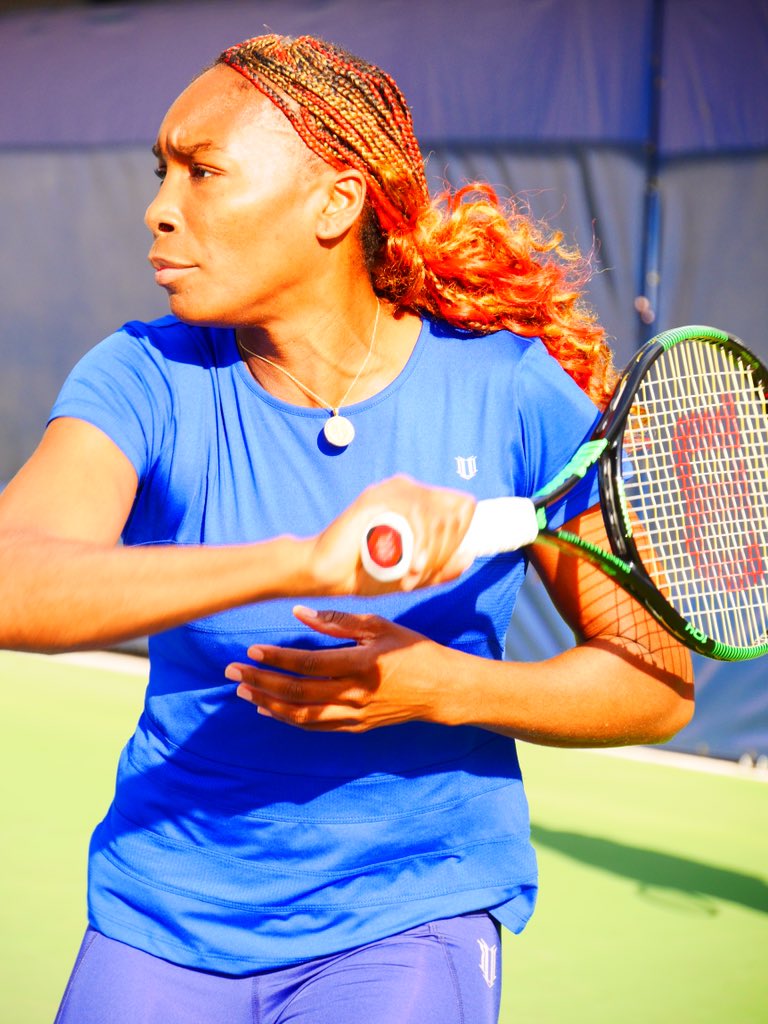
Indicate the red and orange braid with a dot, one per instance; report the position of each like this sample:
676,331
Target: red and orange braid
347,111
462,257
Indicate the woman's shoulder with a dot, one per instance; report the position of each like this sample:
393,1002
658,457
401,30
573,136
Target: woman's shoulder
497,349
511,366
166,342
167,333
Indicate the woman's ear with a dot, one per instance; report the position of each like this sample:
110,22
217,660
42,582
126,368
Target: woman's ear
344,202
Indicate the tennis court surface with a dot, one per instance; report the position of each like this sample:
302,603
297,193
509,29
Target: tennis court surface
654,877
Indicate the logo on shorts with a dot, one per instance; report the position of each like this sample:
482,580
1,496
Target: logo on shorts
466,466
487,962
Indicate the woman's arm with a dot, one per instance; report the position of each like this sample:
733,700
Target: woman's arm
66,584
626,680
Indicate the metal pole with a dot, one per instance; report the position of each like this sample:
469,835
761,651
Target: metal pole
646,302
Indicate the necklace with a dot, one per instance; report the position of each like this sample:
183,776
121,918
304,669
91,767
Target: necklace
337,430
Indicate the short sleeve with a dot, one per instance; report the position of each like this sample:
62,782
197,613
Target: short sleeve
121,387
556,418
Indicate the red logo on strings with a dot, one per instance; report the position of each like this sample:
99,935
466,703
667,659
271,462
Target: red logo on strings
716,500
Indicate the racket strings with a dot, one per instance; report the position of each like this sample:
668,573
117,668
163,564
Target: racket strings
696,481
718,530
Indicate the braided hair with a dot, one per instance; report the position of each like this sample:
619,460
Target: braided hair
464,256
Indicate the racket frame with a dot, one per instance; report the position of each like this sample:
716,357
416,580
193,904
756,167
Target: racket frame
623,562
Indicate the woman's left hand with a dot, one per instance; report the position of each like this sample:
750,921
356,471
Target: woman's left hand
390,675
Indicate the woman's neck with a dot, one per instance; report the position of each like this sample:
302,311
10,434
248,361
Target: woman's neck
337,357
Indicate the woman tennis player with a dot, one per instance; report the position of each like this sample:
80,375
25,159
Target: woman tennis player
320,816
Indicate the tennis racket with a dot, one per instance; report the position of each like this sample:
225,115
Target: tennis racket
682,460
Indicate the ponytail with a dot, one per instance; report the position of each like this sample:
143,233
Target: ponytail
472,262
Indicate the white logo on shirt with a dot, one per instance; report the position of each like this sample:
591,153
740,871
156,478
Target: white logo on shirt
487,962
466,466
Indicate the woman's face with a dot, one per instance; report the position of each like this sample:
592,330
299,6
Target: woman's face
234,218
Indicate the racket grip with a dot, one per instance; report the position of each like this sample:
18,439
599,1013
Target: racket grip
498,524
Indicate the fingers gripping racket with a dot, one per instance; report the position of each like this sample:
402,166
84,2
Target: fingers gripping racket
682,459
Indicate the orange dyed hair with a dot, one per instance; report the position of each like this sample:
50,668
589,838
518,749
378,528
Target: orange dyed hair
463,257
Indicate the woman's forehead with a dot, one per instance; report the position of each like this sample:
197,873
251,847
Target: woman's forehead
221,101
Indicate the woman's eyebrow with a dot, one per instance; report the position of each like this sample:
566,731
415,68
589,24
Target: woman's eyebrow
179,149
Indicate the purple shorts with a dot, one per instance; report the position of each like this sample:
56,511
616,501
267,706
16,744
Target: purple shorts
444,972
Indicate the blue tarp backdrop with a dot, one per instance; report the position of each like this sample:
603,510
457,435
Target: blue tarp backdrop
639,129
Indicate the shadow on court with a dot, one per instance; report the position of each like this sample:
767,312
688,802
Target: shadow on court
654,871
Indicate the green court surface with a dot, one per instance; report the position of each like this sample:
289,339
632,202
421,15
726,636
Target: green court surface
653,906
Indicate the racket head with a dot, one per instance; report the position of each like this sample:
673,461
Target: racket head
684,487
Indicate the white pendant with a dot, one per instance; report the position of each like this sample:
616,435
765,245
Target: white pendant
339,431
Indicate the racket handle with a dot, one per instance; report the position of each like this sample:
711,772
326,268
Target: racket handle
498,524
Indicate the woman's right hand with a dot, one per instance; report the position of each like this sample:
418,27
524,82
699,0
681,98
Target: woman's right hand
438,516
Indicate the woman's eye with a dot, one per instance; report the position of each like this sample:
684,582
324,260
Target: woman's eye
195,171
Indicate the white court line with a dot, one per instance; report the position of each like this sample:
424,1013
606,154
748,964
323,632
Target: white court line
688,762
131,664
110,661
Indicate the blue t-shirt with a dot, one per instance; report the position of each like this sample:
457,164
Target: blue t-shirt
236,843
